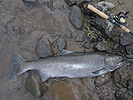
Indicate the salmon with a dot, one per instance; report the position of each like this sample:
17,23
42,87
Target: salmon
69,65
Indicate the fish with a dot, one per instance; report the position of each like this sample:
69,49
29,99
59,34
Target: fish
69,65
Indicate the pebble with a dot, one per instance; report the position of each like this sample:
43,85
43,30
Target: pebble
79,37
76,17
61,44
119,95
130,84
119,85
126,39
106,6
70,2
100,80
116,46
34,85
86,45
116,76
30,1
44,48
102,46
129,49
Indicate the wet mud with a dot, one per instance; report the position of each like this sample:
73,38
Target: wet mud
22,25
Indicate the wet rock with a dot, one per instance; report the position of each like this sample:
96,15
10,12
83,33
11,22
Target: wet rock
81,2
76,17
86,45
30,1
61,43
126,39
106,93
129,56
116,76
105,27
119,95
98,90
70,2
100,80
130,84
44,48
34,85
79,37
130,92
102,46
116,46
119,85
105,6
102,6
129,49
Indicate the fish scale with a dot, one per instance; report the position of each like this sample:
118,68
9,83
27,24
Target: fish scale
69,65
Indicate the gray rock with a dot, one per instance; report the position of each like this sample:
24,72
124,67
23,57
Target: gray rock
76,17
129,49
79,37
116,46
70,2
126,39
86,45
30,1
102,6
105,27
119,95
100,80
116,76
61,44
106,5
119,85
102,46
34,85
44,46
130,84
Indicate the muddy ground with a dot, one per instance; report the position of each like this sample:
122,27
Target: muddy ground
21,27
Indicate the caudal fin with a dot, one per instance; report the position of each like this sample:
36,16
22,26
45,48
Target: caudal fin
18,65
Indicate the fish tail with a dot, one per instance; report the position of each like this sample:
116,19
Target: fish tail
18,65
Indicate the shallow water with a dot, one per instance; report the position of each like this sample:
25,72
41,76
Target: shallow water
21,27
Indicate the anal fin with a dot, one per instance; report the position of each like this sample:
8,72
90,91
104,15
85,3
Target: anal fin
42,76
61,78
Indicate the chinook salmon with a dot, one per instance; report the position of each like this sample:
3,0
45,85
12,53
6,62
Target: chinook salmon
70,64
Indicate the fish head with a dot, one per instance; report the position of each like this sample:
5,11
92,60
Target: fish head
113,61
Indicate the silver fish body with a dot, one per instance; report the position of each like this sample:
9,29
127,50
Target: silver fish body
73,65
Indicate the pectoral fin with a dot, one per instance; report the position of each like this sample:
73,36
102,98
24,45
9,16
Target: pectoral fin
42,76
100,71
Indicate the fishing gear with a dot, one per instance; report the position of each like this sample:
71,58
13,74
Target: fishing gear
107,17
120,18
